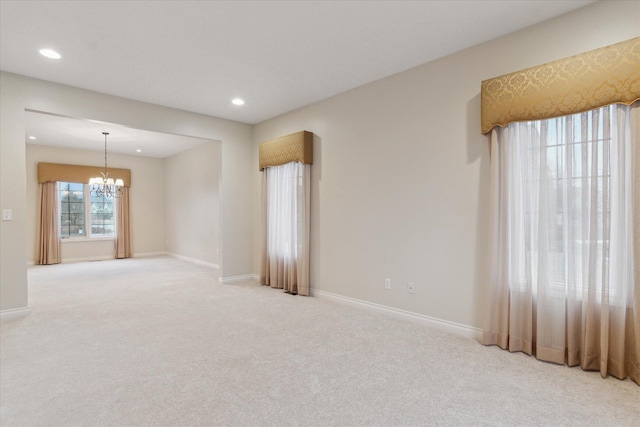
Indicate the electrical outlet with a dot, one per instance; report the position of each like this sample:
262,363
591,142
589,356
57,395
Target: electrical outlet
387,283
411,288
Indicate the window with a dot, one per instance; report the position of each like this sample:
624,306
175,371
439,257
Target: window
567,197
285,184
568,205
83,214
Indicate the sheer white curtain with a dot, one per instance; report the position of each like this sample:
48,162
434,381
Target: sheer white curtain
563,281
286,202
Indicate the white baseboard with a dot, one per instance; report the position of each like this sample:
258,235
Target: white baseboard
148,254
14,313
195,261
242,278
446,325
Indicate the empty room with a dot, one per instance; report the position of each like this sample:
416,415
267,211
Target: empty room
320,213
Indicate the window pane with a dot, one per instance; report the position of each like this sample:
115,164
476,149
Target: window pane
102,216
72,219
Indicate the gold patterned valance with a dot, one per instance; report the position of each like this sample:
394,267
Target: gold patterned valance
52,172
610,75
297,147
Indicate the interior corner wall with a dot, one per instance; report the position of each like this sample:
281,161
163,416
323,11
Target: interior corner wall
13,243
192,203
400,180
19,93
146,202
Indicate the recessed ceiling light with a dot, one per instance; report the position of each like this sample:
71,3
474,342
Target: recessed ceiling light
238,101
138,151
50,53
32,137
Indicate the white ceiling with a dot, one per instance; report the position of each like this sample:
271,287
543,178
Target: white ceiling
277,55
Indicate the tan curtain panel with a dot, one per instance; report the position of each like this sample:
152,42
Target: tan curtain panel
610,75
49,251
123,226
52,172
296,147
634,366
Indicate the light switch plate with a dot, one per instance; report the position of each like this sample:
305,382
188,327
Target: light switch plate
7,215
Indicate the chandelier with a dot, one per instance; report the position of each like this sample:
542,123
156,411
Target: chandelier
104,186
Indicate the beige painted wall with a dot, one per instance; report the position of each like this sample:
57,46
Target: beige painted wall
147,201
18,93
400,183
193,202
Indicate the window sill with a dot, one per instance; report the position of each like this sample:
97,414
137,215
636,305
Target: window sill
86,239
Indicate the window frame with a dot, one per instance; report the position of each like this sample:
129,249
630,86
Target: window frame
88,235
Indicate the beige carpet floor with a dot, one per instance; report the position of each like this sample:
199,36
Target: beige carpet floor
159,342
